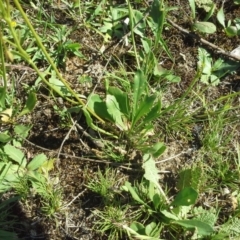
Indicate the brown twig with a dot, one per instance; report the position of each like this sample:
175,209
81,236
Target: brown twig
126,166
203,41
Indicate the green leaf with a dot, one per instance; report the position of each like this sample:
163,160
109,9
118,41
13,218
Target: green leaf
221,17
210,12
121,98
153,114
144,107
22,130
58,86
173,78
138,227
151,171
140,28
134,194
146,43
114,111
185,197
96,104
138,89
185,178
4,138
205,27
37,162
92,125
157,149
149,229
15,154
231,31
202,228
192,6
30,104
155,11
2,97
156,200
169,215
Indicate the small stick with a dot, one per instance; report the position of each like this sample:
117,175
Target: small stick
193,35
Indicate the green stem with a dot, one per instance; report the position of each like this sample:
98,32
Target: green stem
132,33
41,46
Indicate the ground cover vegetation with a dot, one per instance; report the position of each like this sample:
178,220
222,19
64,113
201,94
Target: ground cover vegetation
119,119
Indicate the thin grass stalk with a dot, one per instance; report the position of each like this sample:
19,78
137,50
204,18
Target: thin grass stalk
41,46
132,33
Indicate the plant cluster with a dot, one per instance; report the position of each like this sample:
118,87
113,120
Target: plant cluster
133,112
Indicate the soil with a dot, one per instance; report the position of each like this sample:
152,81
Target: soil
78,155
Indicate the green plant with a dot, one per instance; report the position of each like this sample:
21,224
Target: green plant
211,73
19,50
104,184
18,174
203,26
132,114
111,221
230,30
175,214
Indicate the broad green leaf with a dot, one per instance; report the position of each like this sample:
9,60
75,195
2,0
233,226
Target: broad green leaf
138,227
214,80
114,111
58,85
185,178
121,98
150,228
141,25
185,197
4,138
151,171
217,65
221,17
205,27
169,215
146,43
92,125
134,194
156,200
138,89
22,130
97,105
14,173
202,228
192,6
173,78
37,161
30,104
157,149
144,107
155,11
15,154
231,31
